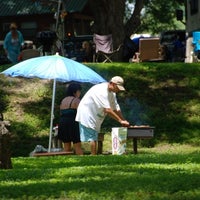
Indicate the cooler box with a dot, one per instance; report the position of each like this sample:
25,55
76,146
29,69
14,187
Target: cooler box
119,137
196,41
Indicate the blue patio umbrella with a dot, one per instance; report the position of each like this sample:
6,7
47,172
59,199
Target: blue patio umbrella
57,68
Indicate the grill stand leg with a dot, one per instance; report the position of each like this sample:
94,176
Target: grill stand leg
100,147
135,145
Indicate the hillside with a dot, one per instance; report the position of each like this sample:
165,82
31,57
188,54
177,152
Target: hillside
164,95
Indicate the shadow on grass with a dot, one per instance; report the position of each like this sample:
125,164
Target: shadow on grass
104,177
161,96
25,137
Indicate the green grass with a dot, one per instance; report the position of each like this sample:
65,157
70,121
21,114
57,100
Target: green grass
166,172
164,95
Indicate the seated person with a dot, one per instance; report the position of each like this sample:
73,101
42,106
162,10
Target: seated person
88,52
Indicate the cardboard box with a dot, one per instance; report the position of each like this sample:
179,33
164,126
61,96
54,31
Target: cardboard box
119,137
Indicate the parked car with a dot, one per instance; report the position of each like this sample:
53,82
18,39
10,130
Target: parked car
174,45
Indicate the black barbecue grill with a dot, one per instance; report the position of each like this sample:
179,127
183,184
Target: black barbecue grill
139,132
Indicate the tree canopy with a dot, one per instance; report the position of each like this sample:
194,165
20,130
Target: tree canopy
160,15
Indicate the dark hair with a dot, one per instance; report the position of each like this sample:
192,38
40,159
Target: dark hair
72,89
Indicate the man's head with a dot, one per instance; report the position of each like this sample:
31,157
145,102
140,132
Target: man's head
118,82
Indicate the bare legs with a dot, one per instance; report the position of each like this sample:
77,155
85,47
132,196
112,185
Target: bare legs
93,145
77,148
67,146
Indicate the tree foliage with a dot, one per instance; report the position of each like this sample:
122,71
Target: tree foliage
160,15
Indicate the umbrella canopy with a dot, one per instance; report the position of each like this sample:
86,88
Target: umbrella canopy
54,67
57,68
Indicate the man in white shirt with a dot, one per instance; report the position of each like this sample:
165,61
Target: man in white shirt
99,101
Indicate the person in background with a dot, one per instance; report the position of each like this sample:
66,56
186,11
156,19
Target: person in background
99,101
88,52
178,51
68,129
57,47
13,43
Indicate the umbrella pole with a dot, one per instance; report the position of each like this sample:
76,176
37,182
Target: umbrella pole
52,114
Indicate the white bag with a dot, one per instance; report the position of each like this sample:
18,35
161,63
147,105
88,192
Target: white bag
119,137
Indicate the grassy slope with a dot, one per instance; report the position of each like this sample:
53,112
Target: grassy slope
164,95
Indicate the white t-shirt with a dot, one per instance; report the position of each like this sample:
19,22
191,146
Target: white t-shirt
90,112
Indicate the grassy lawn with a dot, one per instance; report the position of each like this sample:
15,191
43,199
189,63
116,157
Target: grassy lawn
167,167
165,172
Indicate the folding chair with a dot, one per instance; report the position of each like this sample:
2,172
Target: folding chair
104,47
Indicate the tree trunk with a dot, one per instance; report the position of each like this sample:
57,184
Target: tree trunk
109,15
5,153
134,22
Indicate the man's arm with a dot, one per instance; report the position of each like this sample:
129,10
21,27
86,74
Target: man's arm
117,115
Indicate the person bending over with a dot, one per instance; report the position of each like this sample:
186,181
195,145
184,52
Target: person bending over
99,101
